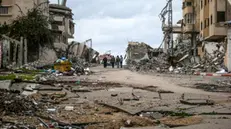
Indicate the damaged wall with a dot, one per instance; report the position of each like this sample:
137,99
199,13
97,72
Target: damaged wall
138,51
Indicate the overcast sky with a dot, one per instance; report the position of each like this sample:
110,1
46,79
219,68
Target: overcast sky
112,23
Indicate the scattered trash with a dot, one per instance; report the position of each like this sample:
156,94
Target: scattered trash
221,71
69,108
51,110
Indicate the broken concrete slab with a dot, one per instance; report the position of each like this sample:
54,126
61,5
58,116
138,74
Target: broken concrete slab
30,87
121,108
80,89
197,102
69,108
48,88
210,110
154,115
5,85
209,124
27,93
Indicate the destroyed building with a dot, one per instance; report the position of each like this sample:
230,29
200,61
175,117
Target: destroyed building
11,9
201,35
82,50
143,58
205,22
62,27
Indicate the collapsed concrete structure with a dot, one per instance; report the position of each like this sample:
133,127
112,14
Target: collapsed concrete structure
142,57
81,50
62,27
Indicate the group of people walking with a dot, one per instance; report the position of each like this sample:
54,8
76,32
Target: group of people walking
118,61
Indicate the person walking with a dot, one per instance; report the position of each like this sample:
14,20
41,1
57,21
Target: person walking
105,62
118,61
121,61
113,61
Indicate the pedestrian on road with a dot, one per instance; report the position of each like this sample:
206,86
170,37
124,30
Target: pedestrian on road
113,61
121,61
118,61
105,62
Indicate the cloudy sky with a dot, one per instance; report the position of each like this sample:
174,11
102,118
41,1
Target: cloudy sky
112,23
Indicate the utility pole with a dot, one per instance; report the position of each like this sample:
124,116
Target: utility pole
168,30
170,20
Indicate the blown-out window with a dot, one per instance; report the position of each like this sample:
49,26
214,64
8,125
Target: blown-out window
220,16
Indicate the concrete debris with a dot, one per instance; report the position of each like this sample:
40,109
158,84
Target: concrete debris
69,108
220,86
5,85
155,64
15,104
154,115
143,58
197,102
213,62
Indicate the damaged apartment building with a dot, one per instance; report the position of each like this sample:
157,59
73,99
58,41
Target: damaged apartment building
62,25
205,24
9,11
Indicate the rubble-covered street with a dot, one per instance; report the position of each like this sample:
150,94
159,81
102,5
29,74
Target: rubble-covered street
84,64
115,99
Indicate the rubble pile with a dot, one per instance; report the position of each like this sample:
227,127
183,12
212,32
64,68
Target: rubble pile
15,104
79,65
212,62
143,58
182,49
159,64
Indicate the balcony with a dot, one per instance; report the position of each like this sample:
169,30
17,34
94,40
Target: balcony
188,9
188,28
216,32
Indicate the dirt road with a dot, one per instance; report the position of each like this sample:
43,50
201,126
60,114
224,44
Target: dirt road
141,80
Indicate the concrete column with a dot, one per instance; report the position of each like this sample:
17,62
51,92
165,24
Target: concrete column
20,53
5,51
229,49
0,54
9,52
25,51
15,52
166,45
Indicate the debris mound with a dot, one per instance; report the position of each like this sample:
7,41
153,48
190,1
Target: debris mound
12,103
143,58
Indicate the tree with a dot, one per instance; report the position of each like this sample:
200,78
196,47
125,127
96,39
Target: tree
34,27
4,28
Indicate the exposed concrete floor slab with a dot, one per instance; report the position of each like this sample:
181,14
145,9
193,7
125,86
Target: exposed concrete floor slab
5,85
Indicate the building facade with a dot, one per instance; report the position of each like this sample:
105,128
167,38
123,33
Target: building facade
62,24
203,22
11,9
213,14
191,16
